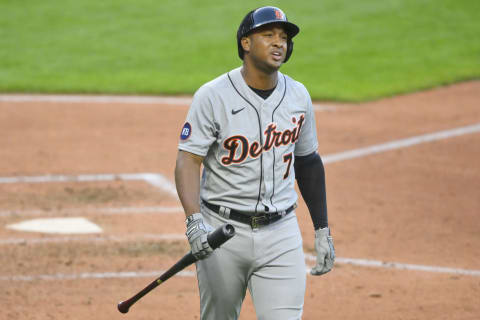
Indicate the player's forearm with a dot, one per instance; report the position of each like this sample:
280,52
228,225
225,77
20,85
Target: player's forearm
187,180
310,175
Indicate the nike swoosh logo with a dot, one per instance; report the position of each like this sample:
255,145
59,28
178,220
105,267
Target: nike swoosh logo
237,111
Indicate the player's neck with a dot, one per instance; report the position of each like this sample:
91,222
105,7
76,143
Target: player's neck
258,79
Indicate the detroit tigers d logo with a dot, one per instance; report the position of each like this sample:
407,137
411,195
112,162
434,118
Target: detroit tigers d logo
239,148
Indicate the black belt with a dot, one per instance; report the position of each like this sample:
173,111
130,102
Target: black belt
254,221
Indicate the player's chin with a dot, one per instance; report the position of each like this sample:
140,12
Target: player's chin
269,65
275,63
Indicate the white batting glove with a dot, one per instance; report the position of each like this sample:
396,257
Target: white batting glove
325,252
197,232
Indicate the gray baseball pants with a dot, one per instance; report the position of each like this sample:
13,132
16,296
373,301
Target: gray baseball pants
268,260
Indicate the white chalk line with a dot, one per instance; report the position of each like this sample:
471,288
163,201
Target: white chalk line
308,257
402,143
88,211
399,266
168,100
87,239
155,179
94,275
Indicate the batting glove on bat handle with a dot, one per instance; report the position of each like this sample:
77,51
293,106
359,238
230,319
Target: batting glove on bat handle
197,232
215,239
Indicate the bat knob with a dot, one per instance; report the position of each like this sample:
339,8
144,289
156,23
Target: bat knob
220,235
123,308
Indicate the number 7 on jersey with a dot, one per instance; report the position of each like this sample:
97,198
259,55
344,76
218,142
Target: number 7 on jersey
287,158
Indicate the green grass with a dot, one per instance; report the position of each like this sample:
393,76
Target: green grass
346,50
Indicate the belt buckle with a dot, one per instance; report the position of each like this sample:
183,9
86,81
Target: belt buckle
255,222
258,221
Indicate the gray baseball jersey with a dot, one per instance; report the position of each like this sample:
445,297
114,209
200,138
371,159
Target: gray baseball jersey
249,143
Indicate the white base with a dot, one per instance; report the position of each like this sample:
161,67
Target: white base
57,225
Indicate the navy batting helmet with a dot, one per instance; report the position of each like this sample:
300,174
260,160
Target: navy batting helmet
263,16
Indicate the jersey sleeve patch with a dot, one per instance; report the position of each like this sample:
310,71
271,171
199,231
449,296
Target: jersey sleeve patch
186,131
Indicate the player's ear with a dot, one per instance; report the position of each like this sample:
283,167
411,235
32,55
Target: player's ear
245,42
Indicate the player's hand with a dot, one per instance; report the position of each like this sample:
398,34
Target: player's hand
197,232
325,252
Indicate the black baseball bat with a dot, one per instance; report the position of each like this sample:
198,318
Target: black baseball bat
215,240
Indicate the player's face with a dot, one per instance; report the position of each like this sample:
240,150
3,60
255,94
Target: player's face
268,47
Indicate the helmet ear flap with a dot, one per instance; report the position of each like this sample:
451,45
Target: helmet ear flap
289,50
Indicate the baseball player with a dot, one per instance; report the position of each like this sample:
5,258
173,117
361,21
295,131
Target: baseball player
253,129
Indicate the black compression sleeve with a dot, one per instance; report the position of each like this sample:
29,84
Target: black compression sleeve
310,175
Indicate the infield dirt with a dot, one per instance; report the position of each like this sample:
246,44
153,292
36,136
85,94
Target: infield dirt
416,205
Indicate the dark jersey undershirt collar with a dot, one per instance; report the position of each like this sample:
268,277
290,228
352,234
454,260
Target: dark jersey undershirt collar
264,94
